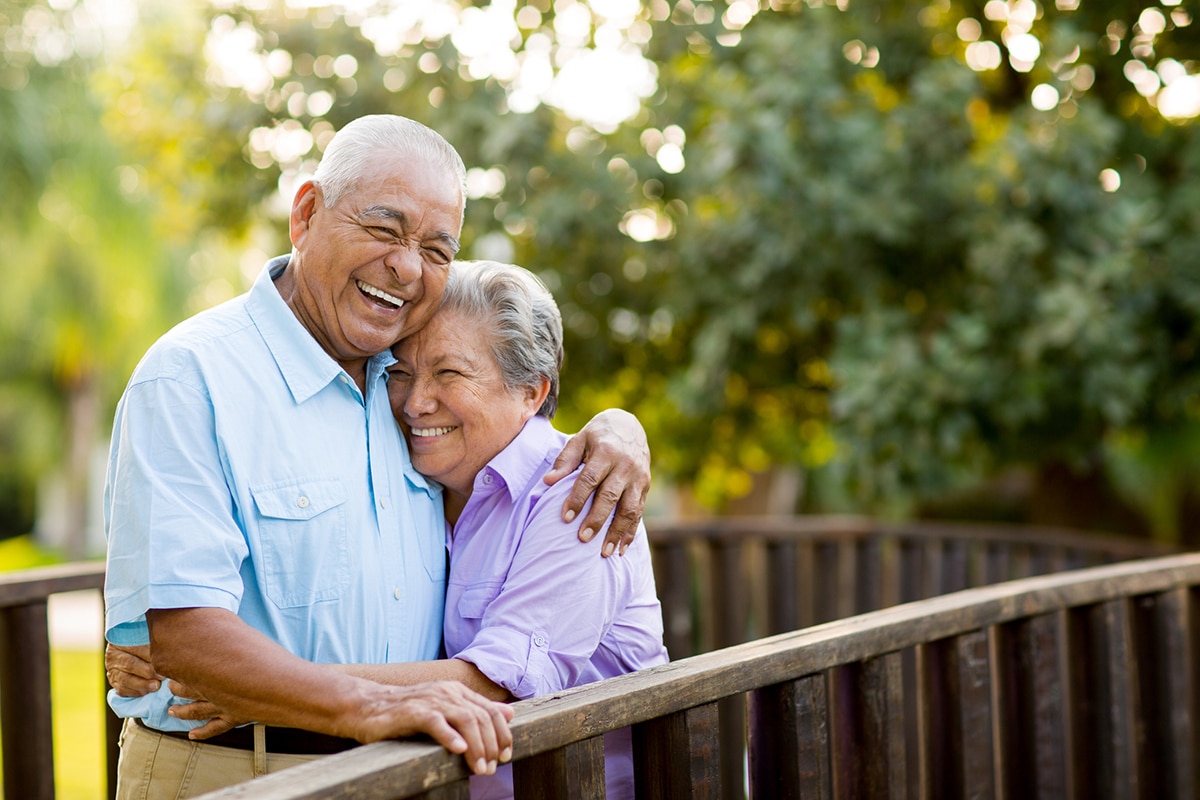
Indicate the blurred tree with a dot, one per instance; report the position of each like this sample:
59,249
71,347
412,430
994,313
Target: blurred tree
902,247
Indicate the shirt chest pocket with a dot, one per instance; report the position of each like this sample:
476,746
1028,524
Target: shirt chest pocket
303,541
474,601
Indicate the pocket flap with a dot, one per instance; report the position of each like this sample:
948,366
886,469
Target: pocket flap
475,600
302,499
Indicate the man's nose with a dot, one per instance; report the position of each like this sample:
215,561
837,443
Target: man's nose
405,261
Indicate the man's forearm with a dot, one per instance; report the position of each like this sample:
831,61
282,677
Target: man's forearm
216,654
408,674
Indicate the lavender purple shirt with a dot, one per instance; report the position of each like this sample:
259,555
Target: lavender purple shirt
536,610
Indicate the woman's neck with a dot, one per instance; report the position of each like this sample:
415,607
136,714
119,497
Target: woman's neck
453,503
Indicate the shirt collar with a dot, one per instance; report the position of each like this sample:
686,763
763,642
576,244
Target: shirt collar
523,459
305,366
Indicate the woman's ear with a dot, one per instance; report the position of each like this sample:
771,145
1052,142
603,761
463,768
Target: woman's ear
535,395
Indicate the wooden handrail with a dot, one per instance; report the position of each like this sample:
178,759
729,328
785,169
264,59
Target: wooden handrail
722,582
834,696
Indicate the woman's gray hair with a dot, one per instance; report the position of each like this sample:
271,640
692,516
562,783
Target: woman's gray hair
356,149
521,317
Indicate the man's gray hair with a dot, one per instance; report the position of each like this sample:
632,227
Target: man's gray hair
519,314
356,150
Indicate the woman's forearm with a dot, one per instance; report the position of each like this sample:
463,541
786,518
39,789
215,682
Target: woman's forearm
412,672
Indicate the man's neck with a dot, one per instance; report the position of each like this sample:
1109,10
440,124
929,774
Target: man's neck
285,284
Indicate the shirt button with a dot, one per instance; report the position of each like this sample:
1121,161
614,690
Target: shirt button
487,479
398,594
382,503
302,501
540,641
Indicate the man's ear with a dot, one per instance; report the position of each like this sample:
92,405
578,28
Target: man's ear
308,198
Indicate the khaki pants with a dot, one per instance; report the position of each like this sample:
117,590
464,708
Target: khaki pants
157,767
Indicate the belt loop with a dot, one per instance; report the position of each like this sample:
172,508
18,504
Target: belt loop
260,750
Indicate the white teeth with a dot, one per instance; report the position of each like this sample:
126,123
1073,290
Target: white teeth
380,293
421,432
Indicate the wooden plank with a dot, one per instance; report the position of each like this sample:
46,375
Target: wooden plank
676,756
954,566
1084,747
453,791
674,582
732,603
806,566
1043,647
1167,667
996,563
973,657
826,580
33,585
1032,723
112,747
27,742
572,772
1117,698
783,610
380,771
932,554
955,736
789,740
939,717
868,576
911,571
867,747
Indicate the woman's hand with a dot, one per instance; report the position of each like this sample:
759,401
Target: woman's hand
129,670
616,458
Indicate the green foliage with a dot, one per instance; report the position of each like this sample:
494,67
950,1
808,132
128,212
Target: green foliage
877,260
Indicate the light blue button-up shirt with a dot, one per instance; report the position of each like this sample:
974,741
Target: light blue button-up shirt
248,473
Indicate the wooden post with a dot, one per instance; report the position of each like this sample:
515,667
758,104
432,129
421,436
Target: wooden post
28,743
789,740
573,772
676,757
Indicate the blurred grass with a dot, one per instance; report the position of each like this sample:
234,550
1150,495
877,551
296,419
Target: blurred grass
76,687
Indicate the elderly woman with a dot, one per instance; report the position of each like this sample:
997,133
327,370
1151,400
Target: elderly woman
474,392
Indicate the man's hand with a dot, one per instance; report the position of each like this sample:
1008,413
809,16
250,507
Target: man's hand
616,458
460,720
250,677
129,670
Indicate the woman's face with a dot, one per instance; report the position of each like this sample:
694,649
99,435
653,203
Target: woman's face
449,397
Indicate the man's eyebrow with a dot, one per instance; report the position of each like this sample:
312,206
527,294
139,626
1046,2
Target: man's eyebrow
398,216
383,211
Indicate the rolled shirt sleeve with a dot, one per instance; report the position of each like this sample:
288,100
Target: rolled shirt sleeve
529,604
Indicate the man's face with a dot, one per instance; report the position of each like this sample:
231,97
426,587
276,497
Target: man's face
371,269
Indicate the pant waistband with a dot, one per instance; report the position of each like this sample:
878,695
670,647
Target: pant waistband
289,741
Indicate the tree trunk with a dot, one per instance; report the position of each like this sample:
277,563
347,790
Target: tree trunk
83,409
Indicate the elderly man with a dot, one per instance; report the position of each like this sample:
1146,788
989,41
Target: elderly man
264,518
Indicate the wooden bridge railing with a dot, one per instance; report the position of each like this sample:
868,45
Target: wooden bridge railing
1074,685
721,582
727,581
